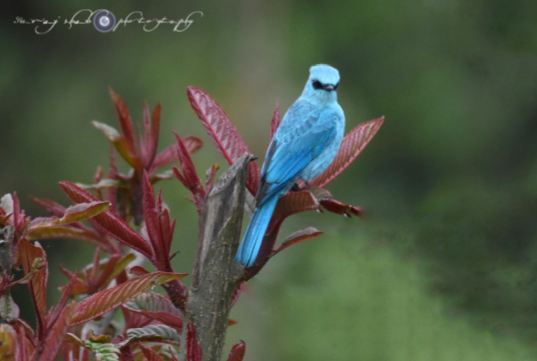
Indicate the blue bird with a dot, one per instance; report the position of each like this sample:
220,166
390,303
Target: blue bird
304,145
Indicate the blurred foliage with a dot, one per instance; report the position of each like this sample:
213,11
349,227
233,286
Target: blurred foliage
450,181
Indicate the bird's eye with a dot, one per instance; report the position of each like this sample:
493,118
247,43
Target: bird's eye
317,84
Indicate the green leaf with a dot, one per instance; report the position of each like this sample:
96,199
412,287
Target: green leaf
102,351
152,302
103,184
122,145
110,132
9,310
82,211
76,213
151,333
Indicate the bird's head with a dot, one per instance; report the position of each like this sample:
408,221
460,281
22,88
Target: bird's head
322,84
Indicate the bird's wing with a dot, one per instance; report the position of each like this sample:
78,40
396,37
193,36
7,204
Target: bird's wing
300,139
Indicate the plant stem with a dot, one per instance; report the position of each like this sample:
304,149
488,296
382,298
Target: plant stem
216,274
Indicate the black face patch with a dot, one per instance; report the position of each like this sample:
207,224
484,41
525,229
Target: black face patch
317,84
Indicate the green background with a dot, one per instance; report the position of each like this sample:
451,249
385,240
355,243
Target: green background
443,265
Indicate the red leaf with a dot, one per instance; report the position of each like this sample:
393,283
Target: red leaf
275,121
292,203
237,352
351,146
70,232
5,283
149,353
334,206
148,147
113,268
55,312
124,121
109,221
151,216
299,236
50,206
289,204
222,132
56,335
189,177
134,320
33,259
19,219
169,154
79,287
98,174
210,175
106,300
138,271
193,350
111,194
158,308
25,347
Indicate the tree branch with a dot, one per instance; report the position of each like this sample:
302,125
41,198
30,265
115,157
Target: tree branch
216,274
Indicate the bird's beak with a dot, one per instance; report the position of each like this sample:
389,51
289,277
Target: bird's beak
329,87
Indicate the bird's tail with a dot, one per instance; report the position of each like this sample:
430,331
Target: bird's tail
255,232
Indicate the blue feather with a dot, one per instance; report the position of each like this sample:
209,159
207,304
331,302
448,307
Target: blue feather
304,145
255,232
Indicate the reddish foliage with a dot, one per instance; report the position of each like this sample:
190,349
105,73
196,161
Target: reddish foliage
351,146
106,300
50,206
222,132
33,260
57,333
159,227
299,236
156,307
108,221
193,349
169,154
237,352
210,175
189,177
149,353
126,125
131,196
338,207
